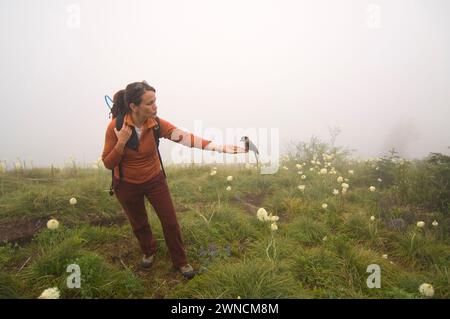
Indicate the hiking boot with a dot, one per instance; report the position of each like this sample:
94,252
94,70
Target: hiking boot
147,261
187,271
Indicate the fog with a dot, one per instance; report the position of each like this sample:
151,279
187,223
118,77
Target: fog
377,70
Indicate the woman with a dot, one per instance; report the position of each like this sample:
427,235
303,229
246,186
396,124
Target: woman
131,152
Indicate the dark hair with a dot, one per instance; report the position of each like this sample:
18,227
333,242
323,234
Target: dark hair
132,94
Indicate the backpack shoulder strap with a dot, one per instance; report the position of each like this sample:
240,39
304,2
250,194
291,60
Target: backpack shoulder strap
157,135
157,131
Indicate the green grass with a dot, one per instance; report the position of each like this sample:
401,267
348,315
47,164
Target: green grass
315,253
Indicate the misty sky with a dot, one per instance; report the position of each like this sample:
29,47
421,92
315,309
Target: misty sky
378,70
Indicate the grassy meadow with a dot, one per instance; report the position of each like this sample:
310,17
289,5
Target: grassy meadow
319,246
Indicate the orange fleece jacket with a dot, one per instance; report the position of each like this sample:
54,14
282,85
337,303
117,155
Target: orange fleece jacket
142,165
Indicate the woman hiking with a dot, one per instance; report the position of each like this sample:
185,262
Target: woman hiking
131,151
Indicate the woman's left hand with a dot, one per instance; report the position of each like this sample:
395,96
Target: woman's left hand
233,149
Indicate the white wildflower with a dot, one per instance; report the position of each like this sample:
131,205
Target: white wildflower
324,206
379,180
261,214
385,256
230,178
335,192
426,290
344,185
372,188
303,177
50,293
274,218
273,226
340,179
372,218
350,171
323,171
420,224
435,223
301,187
73,201
228,188
213,173
52,224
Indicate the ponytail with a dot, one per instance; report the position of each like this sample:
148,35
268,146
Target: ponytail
119,106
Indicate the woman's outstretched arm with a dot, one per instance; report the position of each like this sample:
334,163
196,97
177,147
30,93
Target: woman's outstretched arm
177,135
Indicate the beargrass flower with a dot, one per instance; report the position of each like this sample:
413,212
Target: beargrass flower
73,201
435,223
230,178
426,290
274,218
50,293
372,188
262,214
52,224
420,224
301,187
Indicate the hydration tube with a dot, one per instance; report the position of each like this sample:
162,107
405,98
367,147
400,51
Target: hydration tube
108,100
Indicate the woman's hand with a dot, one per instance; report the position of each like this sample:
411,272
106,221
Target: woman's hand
232,149
124,134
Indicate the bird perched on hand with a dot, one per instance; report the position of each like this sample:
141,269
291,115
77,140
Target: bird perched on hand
250,146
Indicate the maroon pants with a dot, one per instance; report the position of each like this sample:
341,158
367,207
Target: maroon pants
132,199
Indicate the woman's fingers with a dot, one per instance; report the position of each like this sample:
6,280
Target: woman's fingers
233,149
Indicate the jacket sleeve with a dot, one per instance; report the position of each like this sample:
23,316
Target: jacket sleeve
171,132
111,157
